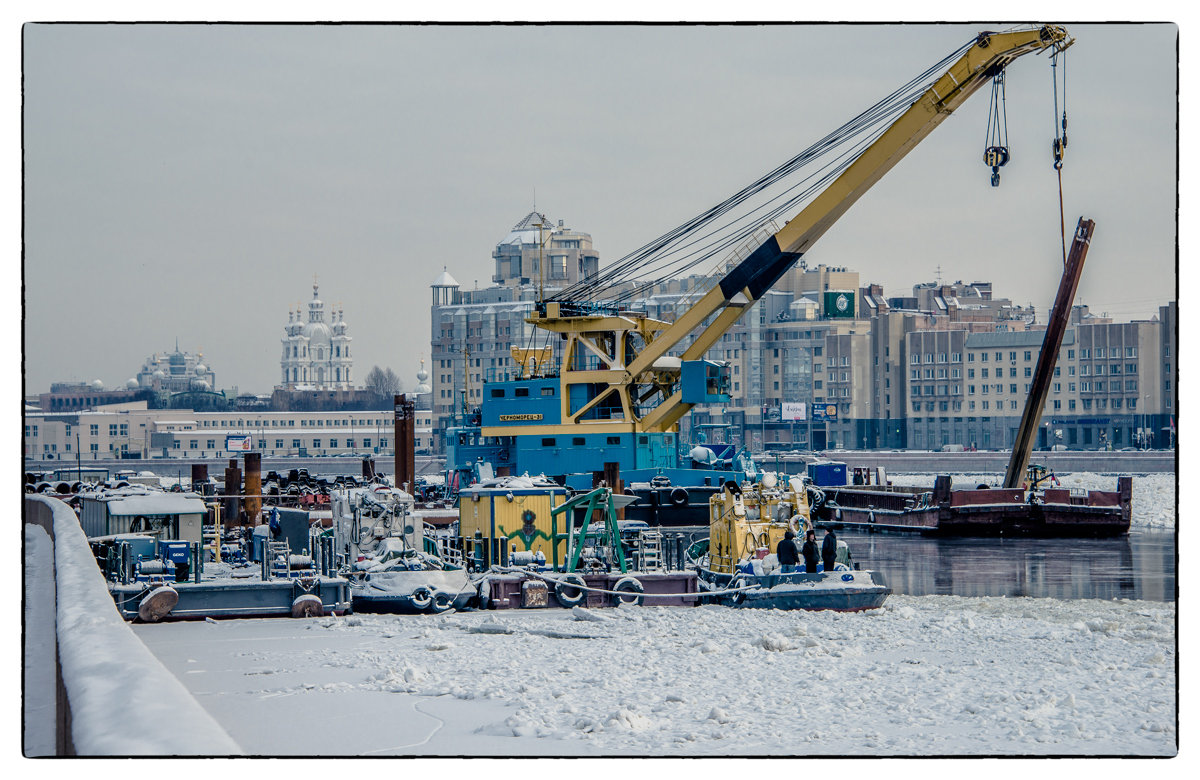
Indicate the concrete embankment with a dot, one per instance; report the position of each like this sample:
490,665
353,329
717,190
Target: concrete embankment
906,461
902,461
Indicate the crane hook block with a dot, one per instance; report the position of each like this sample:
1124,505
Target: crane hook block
996,157
1059,146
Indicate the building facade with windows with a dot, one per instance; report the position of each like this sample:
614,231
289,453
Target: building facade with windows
136,432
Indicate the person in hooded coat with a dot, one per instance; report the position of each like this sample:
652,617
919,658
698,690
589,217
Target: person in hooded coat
811,553
787,553
829,549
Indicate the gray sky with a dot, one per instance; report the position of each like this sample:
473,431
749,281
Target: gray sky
188,181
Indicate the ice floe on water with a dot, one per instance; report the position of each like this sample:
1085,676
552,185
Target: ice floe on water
929,675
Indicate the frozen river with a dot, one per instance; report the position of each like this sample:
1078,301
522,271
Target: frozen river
989,647
926,675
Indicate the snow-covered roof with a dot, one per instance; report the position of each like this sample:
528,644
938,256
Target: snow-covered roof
526,231
444,280
148,503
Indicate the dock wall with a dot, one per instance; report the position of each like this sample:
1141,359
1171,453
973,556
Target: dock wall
910,461
112,697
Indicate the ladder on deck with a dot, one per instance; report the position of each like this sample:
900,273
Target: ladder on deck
278,554
649,550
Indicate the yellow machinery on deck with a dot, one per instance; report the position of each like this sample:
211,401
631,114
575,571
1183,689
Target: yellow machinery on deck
745,520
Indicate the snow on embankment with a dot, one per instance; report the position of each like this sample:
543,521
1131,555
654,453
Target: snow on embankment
1153,494
928,675
123,700
39,704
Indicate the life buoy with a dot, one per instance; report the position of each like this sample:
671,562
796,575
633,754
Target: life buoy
628,585
679,497
442,602
421,598
792,525
569,590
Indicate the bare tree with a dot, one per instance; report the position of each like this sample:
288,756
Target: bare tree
384,384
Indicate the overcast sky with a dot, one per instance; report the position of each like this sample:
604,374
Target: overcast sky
187,181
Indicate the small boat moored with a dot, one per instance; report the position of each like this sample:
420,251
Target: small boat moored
739,570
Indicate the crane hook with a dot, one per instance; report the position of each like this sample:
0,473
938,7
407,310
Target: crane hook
996,157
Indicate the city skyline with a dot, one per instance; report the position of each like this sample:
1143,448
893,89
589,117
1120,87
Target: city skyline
203,193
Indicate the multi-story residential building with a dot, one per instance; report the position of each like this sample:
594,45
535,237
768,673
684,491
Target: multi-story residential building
1121,383
817,338
538,252
1168,318
1102,392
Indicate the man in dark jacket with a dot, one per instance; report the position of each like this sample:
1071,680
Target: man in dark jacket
811,553
787,553
829,549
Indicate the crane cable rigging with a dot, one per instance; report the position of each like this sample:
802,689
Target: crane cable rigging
1059,147
995,152
721,228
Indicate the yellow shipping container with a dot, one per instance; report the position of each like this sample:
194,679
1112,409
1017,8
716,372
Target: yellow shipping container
521,516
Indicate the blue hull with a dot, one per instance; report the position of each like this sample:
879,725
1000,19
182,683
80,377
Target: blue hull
841,591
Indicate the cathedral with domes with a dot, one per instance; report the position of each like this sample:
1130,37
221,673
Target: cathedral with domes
316,354
174,372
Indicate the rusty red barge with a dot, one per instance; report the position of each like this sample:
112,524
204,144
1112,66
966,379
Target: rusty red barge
982,511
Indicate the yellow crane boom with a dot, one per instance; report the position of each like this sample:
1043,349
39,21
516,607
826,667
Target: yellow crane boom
633,349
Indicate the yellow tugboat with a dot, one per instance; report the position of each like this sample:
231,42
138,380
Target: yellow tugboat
746,524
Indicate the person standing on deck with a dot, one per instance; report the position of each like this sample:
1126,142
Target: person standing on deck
829,549
811,553
787,553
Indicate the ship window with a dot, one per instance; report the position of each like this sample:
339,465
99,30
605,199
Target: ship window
521,392
643,439
497,393
614,439
577,441
547,391
547,442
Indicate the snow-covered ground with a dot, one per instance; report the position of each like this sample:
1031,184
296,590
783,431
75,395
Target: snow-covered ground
930,675
1153,494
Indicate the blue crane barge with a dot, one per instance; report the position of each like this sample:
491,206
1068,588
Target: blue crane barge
607,389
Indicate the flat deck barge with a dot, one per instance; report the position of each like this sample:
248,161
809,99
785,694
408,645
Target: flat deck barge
1052,512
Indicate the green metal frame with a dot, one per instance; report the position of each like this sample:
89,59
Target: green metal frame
599,499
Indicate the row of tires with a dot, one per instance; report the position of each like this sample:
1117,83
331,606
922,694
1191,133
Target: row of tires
571,590
425,600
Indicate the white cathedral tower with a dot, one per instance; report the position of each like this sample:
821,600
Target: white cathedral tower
316,356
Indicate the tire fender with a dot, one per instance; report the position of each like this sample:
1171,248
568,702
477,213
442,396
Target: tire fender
632,586
421,598
679,497
569,590
442,602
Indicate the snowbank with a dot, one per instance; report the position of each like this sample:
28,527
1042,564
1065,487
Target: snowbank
123,700
38,666
928,675
1153,494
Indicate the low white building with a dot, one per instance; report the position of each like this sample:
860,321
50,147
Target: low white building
175,433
